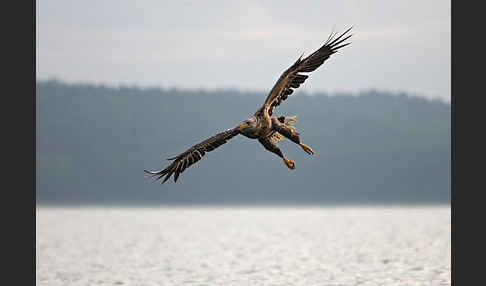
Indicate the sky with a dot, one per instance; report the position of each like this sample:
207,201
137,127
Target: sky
397,46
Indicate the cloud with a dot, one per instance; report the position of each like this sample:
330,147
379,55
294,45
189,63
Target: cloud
402,45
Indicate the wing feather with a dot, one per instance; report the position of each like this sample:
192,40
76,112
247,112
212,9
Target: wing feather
292,78
192,155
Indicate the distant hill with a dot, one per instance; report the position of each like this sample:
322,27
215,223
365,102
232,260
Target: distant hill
93,143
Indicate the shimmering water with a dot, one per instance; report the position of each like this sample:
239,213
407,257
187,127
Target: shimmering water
243,246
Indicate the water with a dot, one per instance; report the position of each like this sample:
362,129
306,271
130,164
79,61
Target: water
243,246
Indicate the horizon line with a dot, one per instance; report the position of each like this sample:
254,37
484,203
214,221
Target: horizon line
358,93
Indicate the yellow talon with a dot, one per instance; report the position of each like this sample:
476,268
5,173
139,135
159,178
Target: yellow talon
307,149
289,163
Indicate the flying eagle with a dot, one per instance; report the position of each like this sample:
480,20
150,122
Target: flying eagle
265,127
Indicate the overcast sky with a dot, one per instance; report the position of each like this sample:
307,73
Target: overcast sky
396,46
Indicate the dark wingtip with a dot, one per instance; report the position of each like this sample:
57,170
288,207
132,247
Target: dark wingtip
339,39
150,172
168,175
333,41
165,179
349,29
341,46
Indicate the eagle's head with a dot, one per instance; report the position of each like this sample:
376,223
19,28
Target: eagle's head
248,127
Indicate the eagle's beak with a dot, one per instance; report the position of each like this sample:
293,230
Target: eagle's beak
243,125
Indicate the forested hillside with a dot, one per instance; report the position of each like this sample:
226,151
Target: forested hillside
93,143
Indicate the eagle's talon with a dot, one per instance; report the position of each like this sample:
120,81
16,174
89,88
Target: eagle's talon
290,164
307,149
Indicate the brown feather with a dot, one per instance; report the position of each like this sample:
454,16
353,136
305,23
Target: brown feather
292,79
193,154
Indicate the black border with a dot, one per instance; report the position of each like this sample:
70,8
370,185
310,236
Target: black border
19,111
467,129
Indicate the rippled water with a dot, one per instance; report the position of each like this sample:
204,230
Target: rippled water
243,246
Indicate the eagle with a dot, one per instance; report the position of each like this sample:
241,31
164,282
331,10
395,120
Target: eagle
263,125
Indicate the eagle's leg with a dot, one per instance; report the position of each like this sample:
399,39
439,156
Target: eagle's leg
306,148
272,147
290,133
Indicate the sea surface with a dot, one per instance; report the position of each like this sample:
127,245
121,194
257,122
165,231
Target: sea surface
348,245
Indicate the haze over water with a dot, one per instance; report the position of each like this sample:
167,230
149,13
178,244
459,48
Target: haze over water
243,246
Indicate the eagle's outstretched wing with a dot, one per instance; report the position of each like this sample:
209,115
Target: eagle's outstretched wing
292,77
193,154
